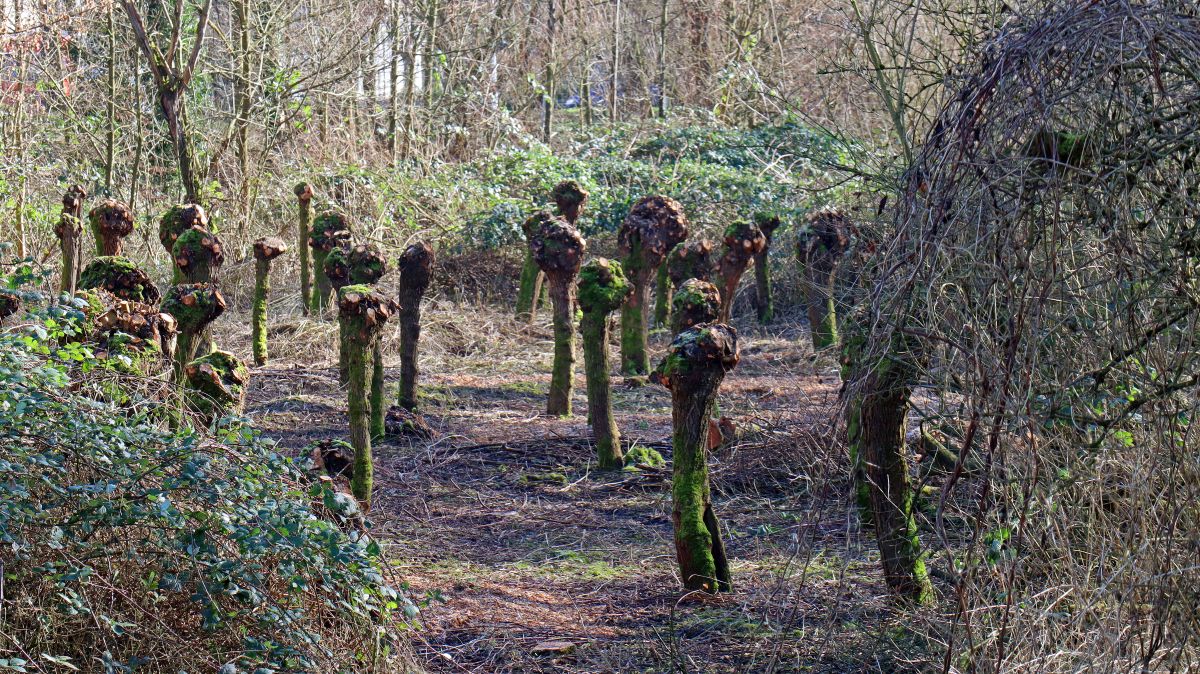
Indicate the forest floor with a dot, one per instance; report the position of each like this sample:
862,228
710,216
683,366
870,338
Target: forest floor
525,558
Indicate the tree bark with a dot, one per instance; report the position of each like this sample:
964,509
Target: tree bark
563,372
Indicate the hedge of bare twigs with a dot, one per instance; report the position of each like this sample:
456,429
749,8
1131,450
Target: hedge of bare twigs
1045,261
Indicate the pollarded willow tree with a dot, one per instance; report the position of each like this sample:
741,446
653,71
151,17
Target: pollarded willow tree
558,250
194,306
362,313
69,231
121,277
1043,273
198,255
174,222
744,241
693,369
764,302
694,303
654,226
265,250
416,271
820,247
216,386
111,221
602,290
330,231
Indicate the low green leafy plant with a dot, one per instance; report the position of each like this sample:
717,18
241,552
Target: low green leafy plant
133,547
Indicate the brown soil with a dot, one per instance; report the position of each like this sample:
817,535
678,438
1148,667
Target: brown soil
524,558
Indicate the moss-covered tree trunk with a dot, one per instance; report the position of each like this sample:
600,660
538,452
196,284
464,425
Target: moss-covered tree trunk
635,354
304,194
602,288
331,230
876,423
362,314
563,372
764,303
662,297
743,241
654,226
558,249
378,375
70,235
194,306
819,248
416,270
693,370
265,250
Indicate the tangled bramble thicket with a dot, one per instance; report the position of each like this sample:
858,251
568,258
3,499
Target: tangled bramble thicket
1042,281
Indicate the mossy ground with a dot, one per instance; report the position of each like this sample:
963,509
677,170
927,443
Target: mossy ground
513,537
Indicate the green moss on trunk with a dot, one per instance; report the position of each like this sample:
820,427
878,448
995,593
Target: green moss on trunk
693,369
819,248
764,303
662,297
416,271
558,250
362,314
304,196
876,427
121,277
378,375
654,226
258,316
216,385
194,306
329,231
265,250
602,288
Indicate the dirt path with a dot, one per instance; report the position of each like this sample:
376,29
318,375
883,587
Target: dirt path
527,560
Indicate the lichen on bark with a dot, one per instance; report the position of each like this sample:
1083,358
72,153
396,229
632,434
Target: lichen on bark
743,241
558,250
653,227
693,369
120,277
110,221
819,249
265,250
416,271
602,289
362,313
